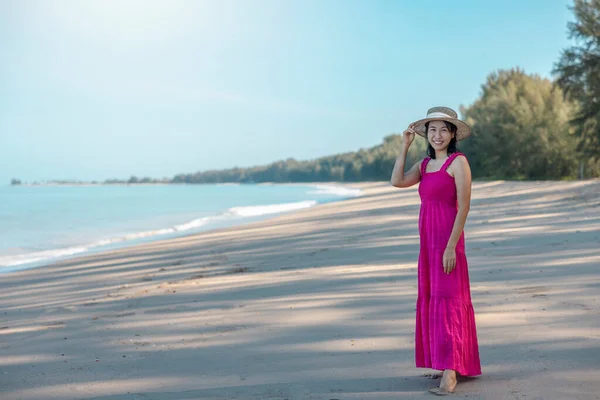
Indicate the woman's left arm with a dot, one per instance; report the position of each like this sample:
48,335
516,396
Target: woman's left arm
462,180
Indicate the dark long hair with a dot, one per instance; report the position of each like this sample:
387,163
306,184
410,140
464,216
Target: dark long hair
452,146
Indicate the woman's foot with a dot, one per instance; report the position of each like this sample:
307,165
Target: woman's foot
447,385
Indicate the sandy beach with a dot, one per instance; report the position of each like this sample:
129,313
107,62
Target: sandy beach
317,304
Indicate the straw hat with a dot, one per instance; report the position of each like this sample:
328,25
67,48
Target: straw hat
444,114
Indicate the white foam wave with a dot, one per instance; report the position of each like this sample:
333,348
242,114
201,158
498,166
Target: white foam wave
254,211
234,213
197,223
11,261
335,190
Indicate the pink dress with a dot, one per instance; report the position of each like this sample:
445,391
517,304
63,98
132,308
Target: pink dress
445,334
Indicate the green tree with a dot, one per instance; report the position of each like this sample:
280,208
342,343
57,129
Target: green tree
520,129
578,74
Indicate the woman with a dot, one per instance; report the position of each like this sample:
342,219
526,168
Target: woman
445,334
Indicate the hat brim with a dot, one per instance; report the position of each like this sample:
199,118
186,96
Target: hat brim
463,130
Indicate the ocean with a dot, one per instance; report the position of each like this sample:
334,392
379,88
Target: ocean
43,224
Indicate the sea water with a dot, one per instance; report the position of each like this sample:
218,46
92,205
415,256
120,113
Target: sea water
42,224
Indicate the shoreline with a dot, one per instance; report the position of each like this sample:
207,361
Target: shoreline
315,304
46,257
324,183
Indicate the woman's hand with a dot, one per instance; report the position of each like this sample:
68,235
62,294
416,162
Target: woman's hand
409,135
449,260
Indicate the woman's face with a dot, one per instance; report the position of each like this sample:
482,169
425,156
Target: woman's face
438,135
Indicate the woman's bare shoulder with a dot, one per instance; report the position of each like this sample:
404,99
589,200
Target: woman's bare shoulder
460,162
460,158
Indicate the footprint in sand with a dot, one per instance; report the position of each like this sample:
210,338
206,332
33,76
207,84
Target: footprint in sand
34,328
532,290
433,375
578,305
237,270
118,315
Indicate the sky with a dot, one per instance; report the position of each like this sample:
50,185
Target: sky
91,90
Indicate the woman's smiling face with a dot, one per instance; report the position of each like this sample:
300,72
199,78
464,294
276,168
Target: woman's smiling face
438,135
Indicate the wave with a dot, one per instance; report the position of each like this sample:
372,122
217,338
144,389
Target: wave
232,215
335,190
254,211
15,260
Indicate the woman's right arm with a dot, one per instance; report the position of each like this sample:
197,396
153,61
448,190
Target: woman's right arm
413,176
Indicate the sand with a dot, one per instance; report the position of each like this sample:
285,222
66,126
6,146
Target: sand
318,304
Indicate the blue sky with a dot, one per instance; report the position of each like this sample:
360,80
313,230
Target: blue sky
103,89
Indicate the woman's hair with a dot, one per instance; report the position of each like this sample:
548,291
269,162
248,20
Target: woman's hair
452,146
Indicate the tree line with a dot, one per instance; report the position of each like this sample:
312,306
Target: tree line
524,126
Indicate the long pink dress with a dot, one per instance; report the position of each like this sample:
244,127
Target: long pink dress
445,335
